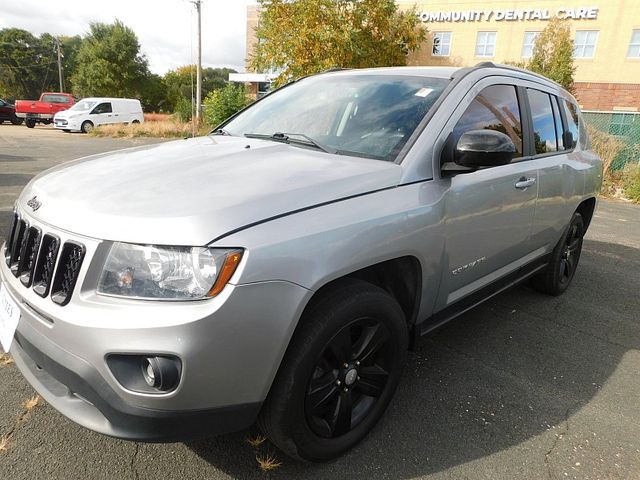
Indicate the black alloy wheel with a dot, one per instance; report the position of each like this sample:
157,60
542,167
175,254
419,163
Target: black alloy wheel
339,373
557,275
348,378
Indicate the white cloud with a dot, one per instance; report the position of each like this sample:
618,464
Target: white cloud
166,29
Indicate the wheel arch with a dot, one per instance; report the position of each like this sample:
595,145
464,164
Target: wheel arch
586,210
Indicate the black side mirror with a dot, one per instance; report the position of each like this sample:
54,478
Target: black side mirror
484,148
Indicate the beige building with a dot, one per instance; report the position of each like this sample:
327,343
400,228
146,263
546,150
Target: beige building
606,36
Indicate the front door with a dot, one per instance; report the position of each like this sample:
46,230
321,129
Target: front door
489,212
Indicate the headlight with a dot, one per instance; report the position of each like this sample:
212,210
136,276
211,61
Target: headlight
169,273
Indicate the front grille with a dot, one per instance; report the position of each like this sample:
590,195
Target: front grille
67,272
40,261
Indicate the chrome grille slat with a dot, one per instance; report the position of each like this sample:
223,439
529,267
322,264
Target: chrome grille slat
28,255
43,272
67,272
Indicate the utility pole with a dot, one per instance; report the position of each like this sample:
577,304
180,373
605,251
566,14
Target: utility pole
198,5
59,65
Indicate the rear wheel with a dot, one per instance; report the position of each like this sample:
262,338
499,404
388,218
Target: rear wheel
86,127
30,122
557,276
135,122
15,119
339,373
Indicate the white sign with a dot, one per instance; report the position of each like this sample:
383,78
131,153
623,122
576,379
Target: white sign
509,15
9,317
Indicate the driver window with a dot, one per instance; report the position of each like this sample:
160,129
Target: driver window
102,108
495,108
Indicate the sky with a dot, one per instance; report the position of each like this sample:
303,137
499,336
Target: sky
166,29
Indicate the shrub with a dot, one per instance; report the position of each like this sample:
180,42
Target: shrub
631,182
183,110
607,147
224,102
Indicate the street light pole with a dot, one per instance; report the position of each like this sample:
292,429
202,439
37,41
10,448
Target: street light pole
198,4
59,65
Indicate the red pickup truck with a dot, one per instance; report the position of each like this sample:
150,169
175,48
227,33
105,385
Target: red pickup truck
43,110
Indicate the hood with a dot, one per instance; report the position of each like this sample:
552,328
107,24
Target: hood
189,192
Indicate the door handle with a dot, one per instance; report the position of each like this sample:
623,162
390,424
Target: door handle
525,183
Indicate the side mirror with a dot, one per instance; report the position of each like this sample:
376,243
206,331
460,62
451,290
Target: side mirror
484,148
567,140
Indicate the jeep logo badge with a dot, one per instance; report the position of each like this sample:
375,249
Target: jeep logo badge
34,203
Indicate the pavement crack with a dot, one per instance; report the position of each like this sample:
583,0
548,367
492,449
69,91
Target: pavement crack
134,458
556,441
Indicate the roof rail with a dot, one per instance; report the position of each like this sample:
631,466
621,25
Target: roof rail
514,69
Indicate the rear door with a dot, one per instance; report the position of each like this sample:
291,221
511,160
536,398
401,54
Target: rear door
489,212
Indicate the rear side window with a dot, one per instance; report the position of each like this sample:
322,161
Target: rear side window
544,128
103,108
55,99
571,112
495,108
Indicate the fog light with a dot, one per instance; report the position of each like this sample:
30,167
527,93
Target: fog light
160,372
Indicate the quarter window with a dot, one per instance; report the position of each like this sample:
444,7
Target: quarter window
529,43
558,120
544,128
634,45
486,44
495,108
584,46
571,112
441,44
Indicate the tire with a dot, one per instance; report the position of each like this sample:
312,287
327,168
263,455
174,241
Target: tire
15,120
46,121
30,122
557,275
86,127
135,122
346,356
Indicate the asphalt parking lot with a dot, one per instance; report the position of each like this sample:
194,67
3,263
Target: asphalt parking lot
525,386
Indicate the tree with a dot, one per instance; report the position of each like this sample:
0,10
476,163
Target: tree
553,53
222,103
181,82
110,63
28,64
308,36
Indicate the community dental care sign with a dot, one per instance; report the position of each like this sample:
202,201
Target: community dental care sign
525,14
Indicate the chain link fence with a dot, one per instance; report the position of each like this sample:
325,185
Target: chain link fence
625,127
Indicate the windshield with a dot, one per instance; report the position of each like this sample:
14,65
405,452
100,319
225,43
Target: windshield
83,105
369,116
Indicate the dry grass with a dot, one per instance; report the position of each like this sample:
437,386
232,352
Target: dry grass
256,441
168,128
267,462
32,403
156,117
4,443
5,359
607,147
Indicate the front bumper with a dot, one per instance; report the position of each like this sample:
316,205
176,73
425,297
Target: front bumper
230,348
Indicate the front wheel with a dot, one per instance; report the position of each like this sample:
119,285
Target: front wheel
86,126
557,275
339,374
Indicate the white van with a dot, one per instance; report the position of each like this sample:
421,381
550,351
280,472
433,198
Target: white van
91,112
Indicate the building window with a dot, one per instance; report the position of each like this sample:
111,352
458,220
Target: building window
529,43
441,44
634,46
486,44
584,46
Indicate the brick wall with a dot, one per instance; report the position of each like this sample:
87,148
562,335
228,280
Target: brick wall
608,96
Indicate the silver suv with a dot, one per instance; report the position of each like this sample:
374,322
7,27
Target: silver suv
279,269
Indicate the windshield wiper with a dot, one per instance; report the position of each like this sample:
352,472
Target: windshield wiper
220,131
286,138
